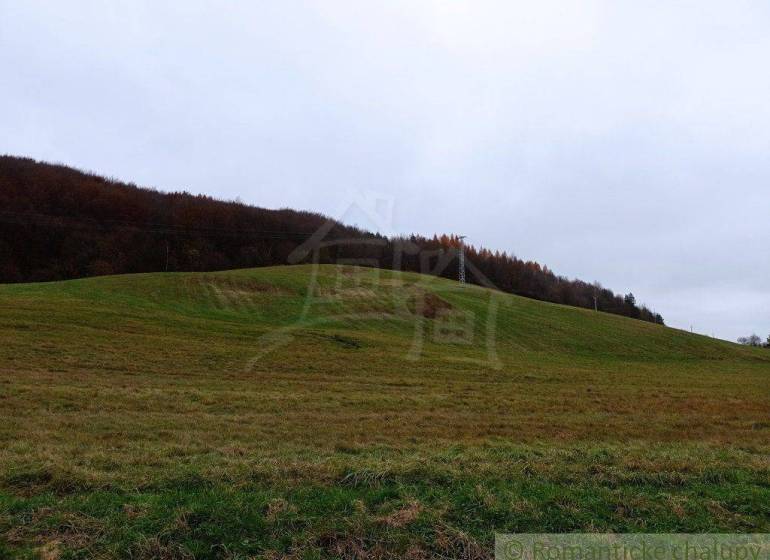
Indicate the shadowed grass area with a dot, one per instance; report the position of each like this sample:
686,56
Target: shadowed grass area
340,412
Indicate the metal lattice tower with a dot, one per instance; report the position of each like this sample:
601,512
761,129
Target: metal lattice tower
462,259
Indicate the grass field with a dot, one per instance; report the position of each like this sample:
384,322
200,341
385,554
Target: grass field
295,412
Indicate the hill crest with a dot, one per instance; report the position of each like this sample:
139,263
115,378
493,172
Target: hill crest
59,223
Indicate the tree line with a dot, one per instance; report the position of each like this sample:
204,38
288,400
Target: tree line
754,340
58,223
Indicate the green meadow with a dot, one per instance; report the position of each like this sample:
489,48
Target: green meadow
336,412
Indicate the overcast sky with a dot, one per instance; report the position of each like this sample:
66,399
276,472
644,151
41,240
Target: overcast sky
620,141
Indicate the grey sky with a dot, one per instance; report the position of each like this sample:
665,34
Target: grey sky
625,142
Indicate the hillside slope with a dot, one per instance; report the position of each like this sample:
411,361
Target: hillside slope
319,411
58,223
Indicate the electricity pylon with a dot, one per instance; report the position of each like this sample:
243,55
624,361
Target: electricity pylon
462,259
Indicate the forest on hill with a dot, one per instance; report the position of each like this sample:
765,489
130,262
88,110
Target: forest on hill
57,223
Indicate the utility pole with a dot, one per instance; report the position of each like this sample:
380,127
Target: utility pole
462,259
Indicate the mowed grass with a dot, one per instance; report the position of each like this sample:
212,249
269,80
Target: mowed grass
336,412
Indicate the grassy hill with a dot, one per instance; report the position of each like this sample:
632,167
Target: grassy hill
339,412
58,223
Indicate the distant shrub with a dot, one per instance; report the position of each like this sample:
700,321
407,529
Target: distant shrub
752,340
